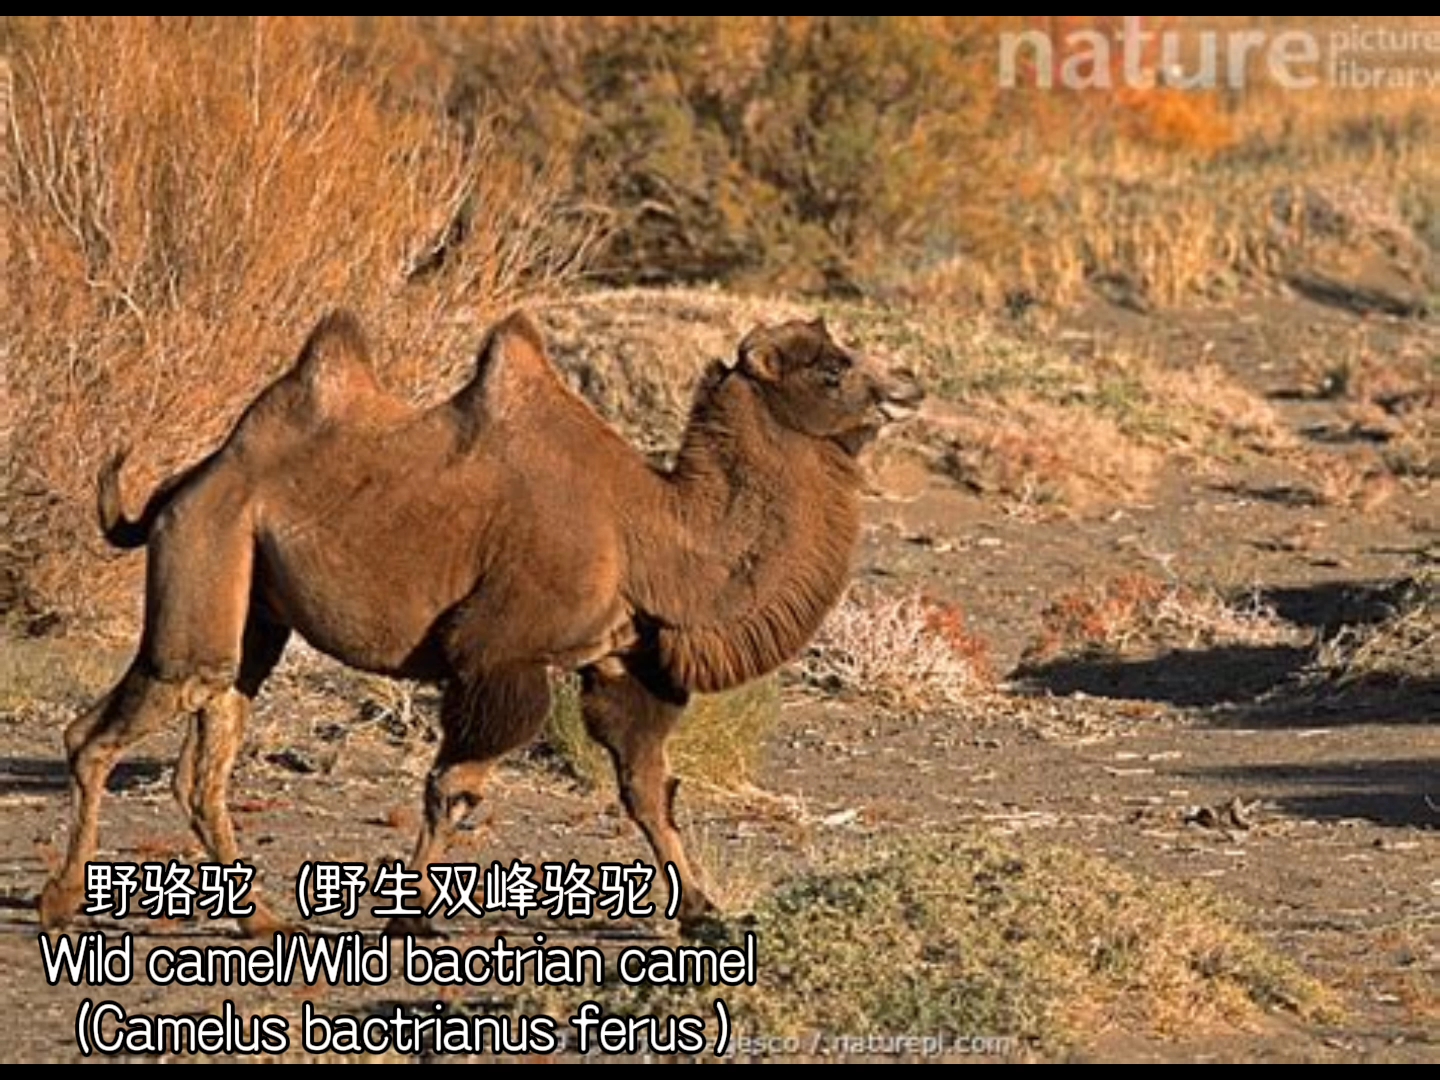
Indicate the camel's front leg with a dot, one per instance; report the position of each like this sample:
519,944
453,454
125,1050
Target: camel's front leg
483,718
633,722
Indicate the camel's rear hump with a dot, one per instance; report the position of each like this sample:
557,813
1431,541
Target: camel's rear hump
513,374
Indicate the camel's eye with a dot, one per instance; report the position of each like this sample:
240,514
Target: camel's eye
835,368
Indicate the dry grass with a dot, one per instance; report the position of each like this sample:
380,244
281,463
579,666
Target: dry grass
1049,429
880,156
963,935
967,934
907,654
1388,395
1037,456
1267,184
1042,419
182,198
1401,649
62,674
1138,612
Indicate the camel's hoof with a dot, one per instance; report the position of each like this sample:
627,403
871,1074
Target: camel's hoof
412,926
57,904
705,923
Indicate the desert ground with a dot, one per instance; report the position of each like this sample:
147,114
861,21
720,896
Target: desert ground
1179,726
1122,743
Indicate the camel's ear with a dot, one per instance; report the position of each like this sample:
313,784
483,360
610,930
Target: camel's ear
760,354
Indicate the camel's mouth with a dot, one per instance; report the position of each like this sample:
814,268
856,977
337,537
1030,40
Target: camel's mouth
893,408
894,412
900,398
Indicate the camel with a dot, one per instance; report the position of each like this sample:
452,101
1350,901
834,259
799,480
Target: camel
484,543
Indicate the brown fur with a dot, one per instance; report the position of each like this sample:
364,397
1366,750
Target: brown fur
484,543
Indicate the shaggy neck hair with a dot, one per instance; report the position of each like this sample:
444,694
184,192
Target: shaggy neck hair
766,519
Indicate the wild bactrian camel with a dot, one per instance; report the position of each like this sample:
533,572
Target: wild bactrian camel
484,543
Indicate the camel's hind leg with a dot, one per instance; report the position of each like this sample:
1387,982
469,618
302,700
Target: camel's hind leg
483,718
202,774
137,706
200,560
633,722
264,645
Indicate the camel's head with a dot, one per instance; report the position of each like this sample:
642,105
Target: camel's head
813,385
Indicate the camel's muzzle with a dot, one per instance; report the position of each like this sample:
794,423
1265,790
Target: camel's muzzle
898,396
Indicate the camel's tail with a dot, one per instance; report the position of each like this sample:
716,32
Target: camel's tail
121,531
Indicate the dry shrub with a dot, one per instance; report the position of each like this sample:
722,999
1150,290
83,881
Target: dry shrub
1139,611
966,934
184,196
846,154
1035,454
906,654
809,152
1111,108
1401,649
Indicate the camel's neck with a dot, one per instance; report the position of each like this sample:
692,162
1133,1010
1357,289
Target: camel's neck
751,546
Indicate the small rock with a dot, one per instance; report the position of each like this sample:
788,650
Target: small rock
293,760
1234,814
